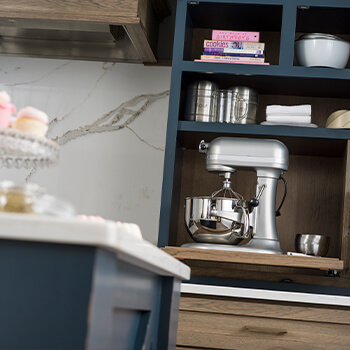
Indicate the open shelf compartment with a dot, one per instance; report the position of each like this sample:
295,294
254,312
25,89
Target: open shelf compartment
203,17
323,19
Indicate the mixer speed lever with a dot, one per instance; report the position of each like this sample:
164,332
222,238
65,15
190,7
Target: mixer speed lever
255,201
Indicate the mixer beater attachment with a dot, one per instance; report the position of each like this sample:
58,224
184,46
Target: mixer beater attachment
237,229
226,188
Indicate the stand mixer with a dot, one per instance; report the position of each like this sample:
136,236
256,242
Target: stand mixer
224,222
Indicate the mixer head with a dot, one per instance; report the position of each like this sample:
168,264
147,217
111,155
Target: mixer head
229,154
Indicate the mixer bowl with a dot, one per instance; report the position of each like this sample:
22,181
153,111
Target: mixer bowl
311,244
204,227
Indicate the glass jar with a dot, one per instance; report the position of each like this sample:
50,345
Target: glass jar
32,199
15,198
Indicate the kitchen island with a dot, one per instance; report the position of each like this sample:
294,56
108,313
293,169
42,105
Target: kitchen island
74,284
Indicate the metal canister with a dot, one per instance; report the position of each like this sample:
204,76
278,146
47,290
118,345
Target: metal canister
244,105
201,101
223,106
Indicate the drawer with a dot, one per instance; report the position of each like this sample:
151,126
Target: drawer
214,323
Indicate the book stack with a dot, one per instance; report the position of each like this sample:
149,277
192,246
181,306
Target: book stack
233,47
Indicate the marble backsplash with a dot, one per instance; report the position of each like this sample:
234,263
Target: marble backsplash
110,120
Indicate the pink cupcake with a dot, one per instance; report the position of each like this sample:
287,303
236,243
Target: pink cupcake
31,120
6,109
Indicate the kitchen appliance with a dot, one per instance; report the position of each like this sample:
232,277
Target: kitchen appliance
312,244
201,101
322,50
244,105
230,222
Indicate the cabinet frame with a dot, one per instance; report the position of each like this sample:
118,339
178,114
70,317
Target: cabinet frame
316,82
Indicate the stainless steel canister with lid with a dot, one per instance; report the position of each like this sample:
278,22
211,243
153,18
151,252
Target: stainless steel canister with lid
244,105
201,101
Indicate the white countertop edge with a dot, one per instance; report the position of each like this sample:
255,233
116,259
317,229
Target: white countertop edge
106,234
262,294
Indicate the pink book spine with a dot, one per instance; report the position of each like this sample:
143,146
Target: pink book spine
235,62
235,36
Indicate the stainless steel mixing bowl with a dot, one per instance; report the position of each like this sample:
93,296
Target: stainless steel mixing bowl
312,244
216,220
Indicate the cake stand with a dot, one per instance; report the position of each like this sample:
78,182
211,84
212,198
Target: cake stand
23,150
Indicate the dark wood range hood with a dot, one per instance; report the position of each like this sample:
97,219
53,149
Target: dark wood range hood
98,30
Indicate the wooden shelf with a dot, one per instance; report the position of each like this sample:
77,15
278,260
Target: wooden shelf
306,262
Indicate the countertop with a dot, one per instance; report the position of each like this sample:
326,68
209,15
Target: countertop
262,294
121,238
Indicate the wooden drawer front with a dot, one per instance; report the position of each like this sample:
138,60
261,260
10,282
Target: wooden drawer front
268,309
209,322
220,331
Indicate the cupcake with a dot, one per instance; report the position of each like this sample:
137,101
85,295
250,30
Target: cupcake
31,120
6,109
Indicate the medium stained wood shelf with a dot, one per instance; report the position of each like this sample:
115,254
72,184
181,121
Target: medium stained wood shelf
225,256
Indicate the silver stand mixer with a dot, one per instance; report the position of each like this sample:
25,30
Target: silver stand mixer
232,223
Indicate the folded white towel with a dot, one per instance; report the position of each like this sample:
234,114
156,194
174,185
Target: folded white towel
288,110
289,119
306,125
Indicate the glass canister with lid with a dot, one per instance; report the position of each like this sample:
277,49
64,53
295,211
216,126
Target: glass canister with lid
29,198
244,105
16,198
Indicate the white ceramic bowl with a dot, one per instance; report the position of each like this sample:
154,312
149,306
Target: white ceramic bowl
322,51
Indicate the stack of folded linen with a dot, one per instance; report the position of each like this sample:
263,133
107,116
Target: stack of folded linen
299,115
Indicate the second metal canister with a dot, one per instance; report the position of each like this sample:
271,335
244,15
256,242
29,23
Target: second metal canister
244,105
223,106
201,102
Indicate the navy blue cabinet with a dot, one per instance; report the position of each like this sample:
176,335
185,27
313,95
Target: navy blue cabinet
69,296
318,177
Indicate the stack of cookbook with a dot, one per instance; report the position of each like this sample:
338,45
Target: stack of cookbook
233,47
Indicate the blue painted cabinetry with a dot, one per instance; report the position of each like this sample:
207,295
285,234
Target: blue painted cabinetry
68,296
318,177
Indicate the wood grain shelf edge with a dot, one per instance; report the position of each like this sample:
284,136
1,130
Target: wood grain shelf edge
182,253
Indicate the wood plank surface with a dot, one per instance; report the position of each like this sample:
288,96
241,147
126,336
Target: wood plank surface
187,348
140,41
218,331
345,247
112,11
139,18
265,273
278,310
182,253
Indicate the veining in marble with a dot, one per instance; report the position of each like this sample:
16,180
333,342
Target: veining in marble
110,120
105,67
